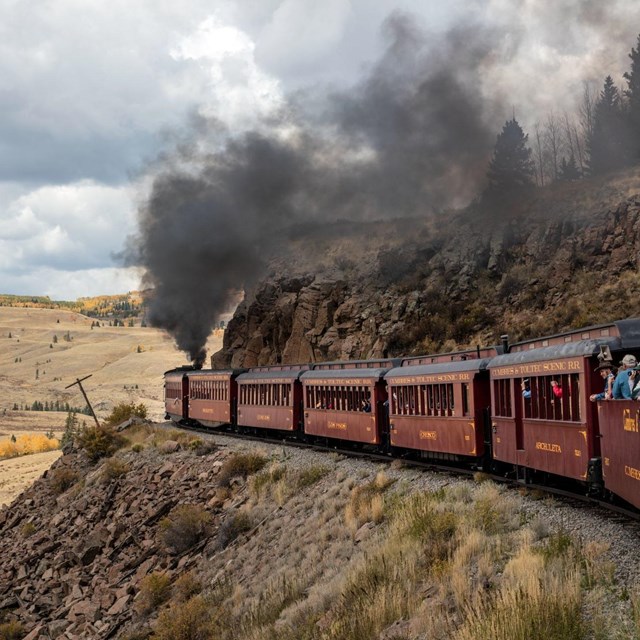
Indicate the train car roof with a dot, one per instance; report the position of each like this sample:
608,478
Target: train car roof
180,370
266,376
455,366
582,348
374,363
205,372
343,374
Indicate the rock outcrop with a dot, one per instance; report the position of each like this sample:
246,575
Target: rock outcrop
412,287
73,561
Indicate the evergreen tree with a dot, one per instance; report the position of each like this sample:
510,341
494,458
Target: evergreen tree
632,94
511,169
608,142
569,170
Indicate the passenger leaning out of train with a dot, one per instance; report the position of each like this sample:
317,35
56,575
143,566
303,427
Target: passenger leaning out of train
556,389
634,381
622,383
526,389
606,373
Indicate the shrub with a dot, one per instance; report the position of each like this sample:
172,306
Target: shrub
28,529
113,469
240,464
311,475
99,442
138,447
62,479
154,590
191,620
233,527
124,411
186,586
11,631
186,525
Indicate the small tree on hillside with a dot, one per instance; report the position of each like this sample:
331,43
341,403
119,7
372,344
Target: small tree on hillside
511,169
632,93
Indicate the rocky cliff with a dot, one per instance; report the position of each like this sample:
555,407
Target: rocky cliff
566,258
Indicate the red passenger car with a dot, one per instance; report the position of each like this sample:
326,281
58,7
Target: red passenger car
542,418
440,408
176,394
270,398
213,396
347,404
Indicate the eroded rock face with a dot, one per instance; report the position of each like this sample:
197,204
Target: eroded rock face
460,284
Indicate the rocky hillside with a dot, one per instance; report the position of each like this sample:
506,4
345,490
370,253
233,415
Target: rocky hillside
566,258
176,538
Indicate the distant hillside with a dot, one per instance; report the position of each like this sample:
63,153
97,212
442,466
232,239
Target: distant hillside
44,350
119,306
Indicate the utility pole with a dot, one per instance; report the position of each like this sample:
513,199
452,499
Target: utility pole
79,383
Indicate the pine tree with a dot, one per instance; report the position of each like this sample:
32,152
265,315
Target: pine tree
569,170
511,169
632,93
608,143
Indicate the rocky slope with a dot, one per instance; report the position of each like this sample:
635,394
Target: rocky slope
566,258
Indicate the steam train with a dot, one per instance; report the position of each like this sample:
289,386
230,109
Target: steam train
466,408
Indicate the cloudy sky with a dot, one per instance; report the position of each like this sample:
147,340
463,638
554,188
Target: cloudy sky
93,91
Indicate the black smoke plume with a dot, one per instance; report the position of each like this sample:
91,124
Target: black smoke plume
413,136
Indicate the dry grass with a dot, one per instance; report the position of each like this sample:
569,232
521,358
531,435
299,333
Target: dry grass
186,525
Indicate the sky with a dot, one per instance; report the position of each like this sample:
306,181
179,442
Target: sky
95,95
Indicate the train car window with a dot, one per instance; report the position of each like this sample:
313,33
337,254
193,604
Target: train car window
465,398
555,397
502,398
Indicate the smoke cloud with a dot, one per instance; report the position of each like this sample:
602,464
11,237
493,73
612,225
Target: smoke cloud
413,136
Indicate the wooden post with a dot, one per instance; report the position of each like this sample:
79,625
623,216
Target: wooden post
79,383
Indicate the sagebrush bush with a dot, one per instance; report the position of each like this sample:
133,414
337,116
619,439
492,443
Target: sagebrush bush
154,590
186,525
124,411
240,465
186,586
114,468
11,631
233,527
99,442
61,479
28,529
191,620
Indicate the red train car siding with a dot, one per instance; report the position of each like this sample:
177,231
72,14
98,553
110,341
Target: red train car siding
544,433
620,431
345,424
457,429
269,416
213,405
176,396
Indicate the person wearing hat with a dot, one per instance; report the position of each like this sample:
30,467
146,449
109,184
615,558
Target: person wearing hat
606,373
621,385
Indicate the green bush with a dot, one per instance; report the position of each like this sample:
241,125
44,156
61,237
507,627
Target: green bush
232,527
185,526
124,411
99,442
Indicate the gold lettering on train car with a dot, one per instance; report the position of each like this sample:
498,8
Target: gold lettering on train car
207,410
577,453
548,446
428,435
340,426
630,424
606,462
498,441
467,438
263,418
631,472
